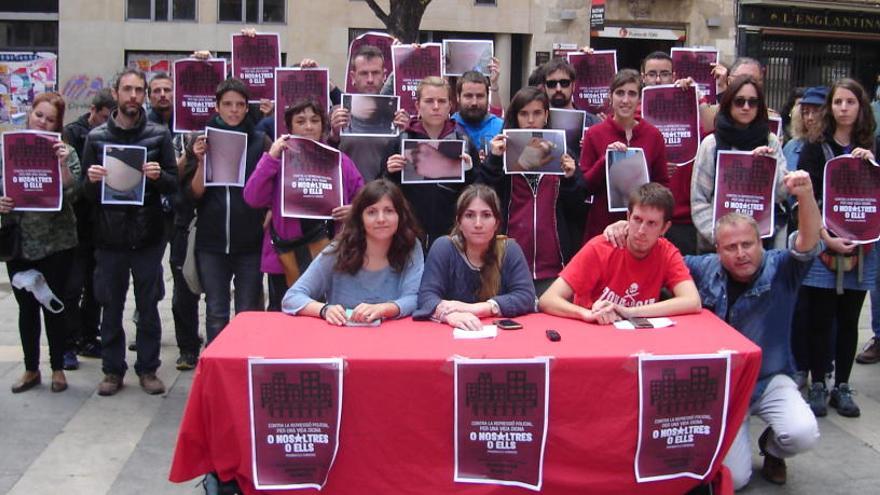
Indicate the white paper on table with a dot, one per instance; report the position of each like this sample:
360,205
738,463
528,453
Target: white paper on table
488,332
657,322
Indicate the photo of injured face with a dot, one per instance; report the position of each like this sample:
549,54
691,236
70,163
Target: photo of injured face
625,171
125,182
433,160
532,151
461,56
371,115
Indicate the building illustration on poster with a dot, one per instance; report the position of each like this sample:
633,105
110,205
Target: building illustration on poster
306,399
671,395
516,396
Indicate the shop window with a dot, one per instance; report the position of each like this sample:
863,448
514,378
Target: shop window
252,11
490,3
161,10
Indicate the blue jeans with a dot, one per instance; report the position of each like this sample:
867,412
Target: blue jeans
112,268
216,271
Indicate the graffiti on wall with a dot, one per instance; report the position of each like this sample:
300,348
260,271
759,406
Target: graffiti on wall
23,75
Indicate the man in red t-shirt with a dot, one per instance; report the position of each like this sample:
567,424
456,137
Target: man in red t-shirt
608,283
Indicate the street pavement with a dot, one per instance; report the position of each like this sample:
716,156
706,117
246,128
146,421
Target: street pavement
77,442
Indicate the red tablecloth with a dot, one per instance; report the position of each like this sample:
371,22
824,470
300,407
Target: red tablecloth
396,434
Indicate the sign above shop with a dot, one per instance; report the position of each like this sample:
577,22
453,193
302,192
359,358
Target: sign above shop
779,16
638,33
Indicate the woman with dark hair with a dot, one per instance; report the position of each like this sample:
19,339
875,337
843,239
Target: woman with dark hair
372,270
621,130
741,124
834,289
289,244
38,273
534,205
474,272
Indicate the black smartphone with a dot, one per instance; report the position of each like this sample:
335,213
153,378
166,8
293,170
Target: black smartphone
508,324
640,322
553,335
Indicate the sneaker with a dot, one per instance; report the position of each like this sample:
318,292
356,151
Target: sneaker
870,353
110,385
187,361
152,384
817,398
774,469
70,361
841,399
90,349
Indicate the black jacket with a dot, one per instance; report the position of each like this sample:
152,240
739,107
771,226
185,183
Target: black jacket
75,135
131,226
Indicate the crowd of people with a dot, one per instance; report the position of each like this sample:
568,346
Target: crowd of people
494,245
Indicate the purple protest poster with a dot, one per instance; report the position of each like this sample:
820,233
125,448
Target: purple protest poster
850,194
682,415
696,63
745,184
675,113
31,170
312,174
381,41
296,410
412,64
254,59
195,84
501,421
594,73
294,85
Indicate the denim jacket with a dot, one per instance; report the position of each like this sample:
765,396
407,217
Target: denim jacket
763,313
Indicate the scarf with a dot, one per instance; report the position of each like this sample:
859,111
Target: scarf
728,135
246,125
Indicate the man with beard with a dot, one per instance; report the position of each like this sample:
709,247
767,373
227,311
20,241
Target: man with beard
473,110
130,239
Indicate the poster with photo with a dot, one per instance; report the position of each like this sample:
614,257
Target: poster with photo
776,126
594,73
851,189
531,151
23,75
125,181
573,122
195,86
31,170
226,159
675,113
460,56
293,85
745,184
625,171
381,41
432,161
312,179
697,63
412,63
295,412
254,59
682,415
371,115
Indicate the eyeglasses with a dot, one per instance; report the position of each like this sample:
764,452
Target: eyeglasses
562,83
741,101
664,74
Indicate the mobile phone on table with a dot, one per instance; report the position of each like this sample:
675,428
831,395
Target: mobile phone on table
640,322
508,324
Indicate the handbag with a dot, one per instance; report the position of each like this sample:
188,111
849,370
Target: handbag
10,241
296,255
190,268
841,263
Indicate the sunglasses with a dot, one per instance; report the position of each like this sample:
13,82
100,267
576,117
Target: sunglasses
740,102
562,83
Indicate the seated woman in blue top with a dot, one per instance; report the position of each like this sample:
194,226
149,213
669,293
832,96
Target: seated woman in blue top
372,268
474,272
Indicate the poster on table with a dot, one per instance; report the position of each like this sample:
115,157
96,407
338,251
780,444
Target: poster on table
532,151
293,85
682,415
460,56
370,115
501,421
412,63
850,195
381,41
625,171
697,63
775,124
23,75
312,174
226,158
31,170
594,73
254,59
675,113
195,86
572,122
295,413
432,161
745,184
125,182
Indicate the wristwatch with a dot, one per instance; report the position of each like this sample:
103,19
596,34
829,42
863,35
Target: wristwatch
496,310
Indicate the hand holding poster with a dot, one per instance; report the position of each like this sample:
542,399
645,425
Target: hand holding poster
460,56
32,170
625,171
745,184
254,59
125,182
381,41
226,158
312,175
697,63
412,63
432,160
594,73
294,85
296,410
195,84
682,415
675,113
531,151
371,115
501,421
573,122
850,195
